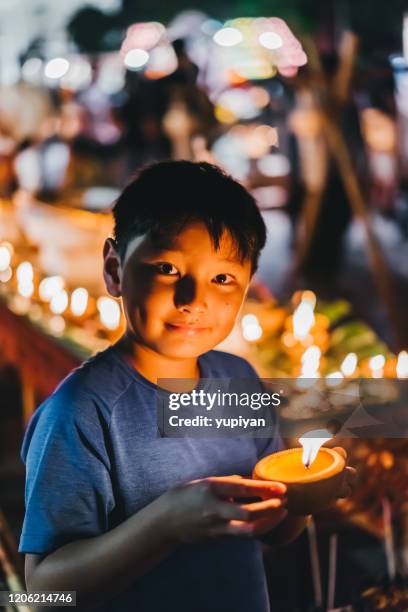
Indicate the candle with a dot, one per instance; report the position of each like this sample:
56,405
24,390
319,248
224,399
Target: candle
331,589
388,538
315,565
309,489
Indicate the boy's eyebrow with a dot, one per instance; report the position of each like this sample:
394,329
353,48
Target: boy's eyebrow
162,249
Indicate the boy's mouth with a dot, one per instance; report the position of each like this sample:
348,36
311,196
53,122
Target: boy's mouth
186,328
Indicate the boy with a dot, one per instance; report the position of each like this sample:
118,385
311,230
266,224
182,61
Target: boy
127,519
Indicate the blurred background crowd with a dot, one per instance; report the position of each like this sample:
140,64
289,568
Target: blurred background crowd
306,103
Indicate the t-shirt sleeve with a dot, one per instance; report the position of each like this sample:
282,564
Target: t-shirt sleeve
266,446
68,491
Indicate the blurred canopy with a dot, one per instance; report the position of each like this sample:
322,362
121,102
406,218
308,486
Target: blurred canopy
94,31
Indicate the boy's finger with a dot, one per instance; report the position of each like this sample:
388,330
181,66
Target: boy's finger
245,487
257,509
235,528
227,511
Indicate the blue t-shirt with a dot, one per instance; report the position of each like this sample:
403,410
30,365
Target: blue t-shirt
93,458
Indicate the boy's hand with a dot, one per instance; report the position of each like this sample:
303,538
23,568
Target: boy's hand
203,508
350,476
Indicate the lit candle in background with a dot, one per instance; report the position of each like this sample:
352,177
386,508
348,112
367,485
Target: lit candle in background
349,364
303,320
50,286
25,278
109,312
251,329
59,302
79,301
376,365
402,365
5,258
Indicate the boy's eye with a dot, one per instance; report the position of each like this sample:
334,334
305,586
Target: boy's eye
166,269
223,279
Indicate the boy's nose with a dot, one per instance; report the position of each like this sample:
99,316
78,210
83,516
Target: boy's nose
190,296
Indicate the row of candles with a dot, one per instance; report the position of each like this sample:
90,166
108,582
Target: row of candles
31,292
306,338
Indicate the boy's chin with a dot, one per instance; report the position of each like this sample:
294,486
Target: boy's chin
184,350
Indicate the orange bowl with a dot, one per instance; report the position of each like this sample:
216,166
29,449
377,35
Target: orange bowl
309,490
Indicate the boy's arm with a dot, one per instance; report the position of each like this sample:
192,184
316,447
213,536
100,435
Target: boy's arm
100,567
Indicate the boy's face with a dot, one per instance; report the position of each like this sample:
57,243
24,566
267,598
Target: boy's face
181,299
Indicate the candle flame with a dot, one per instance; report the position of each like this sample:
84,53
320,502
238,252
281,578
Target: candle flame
311,443
303,320
349,364
402,365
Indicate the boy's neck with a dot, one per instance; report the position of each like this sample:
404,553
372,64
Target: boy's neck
152,365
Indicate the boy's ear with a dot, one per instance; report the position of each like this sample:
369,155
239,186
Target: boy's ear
112,268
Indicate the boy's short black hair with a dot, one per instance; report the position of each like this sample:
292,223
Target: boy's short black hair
165,196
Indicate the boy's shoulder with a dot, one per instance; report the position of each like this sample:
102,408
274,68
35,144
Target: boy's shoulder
96,383
97,377
101,380
82,399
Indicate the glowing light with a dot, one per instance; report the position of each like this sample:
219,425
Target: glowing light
228,37
402,365
109,312
57,325
377,362
311,443
56,68
50,286
249,318
5,275
5,258
136,58
143,36
309,297
311,355
251,329
310,362
25,276
25,273
79,301
303,320
59,302
26,289
349,364
270,40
